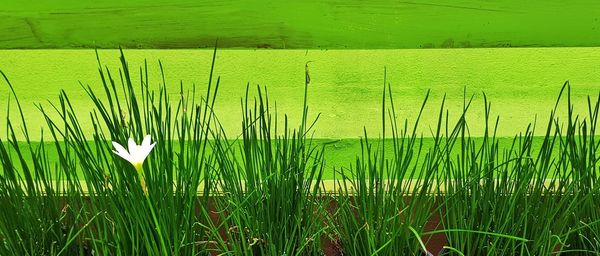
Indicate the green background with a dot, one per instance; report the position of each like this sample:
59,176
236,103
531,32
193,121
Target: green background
518,52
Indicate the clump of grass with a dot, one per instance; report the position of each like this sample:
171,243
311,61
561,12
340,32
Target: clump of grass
579,147
270,201
508,203
166,219
106,200
34,219
384,199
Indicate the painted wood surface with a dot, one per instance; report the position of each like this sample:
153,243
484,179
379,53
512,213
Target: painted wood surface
346,85
330,24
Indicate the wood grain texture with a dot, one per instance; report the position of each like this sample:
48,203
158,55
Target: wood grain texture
346,85
329,24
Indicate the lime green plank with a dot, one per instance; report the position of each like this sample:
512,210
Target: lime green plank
521,83
329,24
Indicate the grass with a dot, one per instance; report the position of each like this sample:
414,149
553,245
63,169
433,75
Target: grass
268,198
379,212
510,198
271,192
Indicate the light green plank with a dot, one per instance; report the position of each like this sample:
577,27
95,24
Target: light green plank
346,84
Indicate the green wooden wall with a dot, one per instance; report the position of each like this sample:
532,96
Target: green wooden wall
46,46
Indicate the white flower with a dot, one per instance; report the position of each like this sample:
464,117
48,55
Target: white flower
137,153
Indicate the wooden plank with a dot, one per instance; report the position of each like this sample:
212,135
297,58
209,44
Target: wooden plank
330,24
339,154
345,88
522,84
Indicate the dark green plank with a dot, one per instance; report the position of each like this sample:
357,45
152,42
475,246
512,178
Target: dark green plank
340,155
304,24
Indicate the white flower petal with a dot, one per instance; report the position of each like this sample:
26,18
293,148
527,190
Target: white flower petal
119,148
137,153
146,151
123,155
151,146
132,146
146,141
121,151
